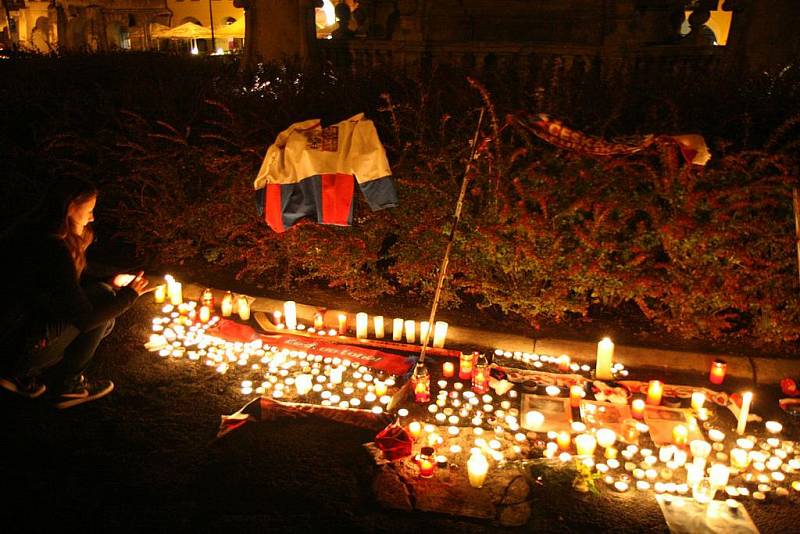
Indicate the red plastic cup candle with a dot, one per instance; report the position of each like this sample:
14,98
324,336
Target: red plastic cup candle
637,408
718,370
575,395
480,380
427,462
207,298
448,369
563,363
654,391
465,363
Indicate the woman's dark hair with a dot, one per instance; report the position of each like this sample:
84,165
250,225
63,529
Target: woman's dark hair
51,217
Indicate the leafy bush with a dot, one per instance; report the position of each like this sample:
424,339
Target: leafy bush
546,234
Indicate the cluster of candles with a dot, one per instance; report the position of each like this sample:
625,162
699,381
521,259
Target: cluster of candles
466,421
565,364
401,328
181,332
468,426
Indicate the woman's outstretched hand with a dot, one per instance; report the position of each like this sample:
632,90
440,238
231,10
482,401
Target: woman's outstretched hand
136,282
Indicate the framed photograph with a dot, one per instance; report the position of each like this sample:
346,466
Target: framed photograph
662,420
556,411
597,414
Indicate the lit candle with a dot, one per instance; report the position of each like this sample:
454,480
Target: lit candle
605,353
739,458
534,420
414,429
563,439
362,322
290,314
698,399
465,363
679,435
303,384
439,333
773,427
448,369
585,444
397,329
342,330
477,469
226,306
700,448
174,291
277,318
717,373
319,321
411,330
377,323
336,375
424,327
654,391
160,294
605,437
719,474
243,308
575,395
205,314
747,398
380,388
427,462
563,363
637,408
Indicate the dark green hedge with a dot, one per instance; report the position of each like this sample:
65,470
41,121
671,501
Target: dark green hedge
546,234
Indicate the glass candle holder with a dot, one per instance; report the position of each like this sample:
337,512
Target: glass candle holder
427,462
718,370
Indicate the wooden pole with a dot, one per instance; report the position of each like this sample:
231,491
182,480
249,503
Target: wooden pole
796,202
456,219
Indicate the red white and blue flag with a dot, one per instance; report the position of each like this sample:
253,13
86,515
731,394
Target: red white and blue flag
311,171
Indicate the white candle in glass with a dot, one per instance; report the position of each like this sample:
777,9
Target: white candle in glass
380,331
411,330
397,329
605,353
303,384
698,399
477,469
439,333
290,314
747,398
424,328
362,324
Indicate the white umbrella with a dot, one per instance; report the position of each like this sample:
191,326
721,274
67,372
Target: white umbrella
188,30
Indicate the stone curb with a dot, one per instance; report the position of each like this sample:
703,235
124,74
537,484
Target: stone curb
759,370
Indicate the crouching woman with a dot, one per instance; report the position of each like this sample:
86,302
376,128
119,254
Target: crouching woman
54,316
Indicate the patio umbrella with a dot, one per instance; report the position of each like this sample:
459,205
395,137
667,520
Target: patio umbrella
188,30
231,30
158,30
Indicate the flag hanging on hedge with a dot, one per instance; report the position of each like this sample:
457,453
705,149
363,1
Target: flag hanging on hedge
311,171
692,146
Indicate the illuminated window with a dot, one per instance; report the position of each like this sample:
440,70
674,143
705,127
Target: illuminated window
719,23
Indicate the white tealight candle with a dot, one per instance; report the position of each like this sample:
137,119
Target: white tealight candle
773,427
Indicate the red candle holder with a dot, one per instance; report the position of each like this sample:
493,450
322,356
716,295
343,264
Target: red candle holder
480,380
427,462
465,364
718,370
207,298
